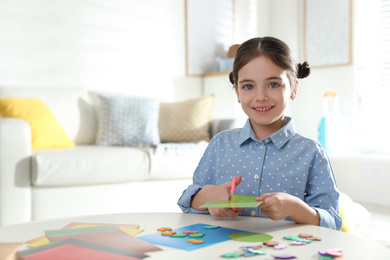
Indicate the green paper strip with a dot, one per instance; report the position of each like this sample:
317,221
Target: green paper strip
235,201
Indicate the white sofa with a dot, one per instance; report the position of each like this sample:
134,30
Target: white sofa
86,179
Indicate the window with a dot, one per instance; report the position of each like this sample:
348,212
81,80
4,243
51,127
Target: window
372,76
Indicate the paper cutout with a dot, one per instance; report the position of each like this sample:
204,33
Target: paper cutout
280,246
257,251
284,256
179,235
190,232
196,235
78,250
8,251
235,201
164,229
231,255
248,254
270,243
250,237
211,227
299,239
195,241
211,237
253,247
168,233
117,239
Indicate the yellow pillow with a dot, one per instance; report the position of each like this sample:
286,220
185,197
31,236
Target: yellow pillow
186,121
46,131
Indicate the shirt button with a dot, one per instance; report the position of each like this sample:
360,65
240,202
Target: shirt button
267,140
261,147
253,213
256,177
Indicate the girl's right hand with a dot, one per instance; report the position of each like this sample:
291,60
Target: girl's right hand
215,192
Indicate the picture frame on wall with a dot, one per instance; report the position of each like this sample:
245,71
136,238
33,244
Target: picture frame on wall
209,34
328,32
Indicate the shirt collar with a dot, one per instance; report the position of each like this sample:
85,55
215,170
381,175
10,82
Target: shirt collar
279,138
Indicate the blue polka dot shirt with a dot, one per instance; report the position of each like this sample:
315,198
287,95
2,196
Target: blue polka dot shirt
283,162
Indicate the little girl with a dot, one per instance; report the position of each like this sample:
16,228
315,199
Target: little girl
291,174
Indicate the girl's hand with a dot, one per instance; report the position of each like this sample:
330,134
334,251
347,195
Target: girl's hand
279,205
276,205
215,192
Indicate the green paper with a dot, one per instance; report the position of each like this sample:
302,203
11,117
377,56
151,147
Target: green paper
235,201
250,237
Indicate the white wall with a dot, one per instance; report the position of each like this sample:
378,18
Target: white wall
127,46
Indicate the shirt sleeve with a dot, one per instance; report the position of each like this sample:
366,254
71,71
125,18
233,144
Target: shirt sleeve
202,177
322,193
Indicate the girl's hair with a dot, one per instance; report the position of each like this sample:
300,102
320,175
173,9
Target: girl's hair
274,49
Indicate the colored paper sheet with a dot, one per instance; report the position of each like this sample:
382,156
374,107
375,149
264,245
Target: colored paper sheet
211,237
8,251
128,228
88,224
75,230
78,250
235,201
113,237
43,241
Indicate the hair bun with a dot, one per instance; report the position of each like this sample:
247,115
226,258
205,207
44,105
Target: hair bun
303,70
231,77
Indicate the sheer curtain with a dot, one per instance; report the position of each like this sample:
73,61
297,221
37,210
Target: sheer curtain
371,57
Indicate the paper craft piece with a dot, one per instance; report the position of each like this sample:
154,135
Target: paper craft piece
280,246
211,227
250,237
113,237
88,224
253,247
75,230
168,233
196,235
128,228
195,241
211,237
8,251
179,235
190,232
270,243
257,251
78,250
299,239
235,201
284,256
164,229
230,255
43,241
248,254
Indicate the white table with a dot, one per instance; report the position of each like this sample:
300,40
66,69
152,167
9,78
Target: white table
353,247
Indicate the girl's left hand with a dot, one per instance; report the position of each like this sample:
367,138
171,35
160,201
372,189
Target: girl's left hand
277,206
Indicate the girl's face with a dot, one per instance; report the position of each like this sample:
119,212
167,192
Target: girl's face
263,89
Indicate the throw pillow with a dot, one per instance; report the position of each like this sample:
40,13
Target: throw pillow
127,121
186,121
46,131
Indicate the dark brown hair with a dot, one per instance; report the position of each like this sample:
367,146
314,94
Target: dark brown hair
274,49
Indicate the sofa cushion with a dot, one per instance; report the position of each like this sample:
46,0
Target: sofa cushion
127,121
46,132
89,164
186,121
71,106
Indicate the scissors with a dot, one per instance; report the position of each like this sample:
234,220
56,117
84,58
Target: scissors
233,189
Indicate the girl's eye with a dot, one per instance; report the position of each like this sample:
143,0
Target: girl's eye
247,87
273,85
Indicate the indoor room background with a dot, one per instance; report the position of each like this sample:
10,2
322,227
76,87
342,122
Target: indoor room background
141,48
